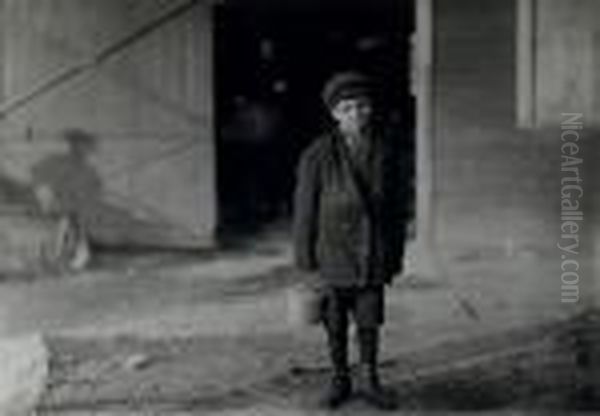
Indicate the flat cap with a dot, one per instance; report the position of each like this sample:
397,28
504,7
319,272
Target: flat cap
346,85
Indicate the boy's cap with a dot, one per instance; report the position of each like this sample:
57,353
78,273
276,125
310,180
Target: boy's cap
346,85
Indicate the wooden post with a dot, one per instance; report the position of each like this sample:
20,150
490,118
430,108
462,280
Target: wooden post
526,63
424,79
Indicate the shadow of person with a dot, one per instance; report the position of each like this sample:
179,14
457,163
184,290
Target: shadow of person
15,193
68,184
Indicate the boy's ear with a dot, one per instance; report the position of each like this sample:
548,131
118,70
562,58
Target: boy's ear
334,114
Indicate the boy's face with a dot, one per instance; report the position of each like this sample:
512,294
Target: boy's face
353,115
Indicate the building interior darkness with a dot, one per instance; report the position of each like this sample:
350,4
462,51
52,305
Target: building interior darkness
271,60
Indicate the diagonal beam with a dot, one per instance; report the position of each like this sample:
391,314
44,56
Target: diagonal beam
94,60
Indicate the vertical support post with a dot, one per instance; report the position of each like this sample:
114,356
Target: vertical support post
423,68
526,63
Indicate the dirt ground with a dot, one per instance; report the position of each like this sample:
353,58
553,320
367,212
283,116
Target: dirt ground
177,334
203,375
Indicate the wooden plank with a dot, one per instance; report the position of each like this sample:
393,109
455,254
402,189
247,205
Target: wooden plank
425,136
526,69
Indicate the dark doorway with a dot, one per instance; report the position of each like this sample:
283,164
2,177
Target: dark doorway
272,59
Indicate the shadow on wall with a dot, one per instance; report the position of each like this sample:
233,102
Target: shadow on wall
15,193
69,184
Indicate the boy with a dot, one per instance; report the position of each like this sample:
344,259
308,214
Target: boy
349,230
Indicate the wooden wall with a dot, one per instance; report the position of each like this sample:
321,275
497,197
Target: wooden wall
496,184
148,111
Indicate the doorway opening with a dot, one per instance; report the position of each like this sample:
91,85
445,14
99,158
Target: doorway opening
271,60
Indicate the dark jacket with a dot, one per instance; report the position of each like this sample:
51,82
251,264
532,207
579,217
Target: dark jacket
349,218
